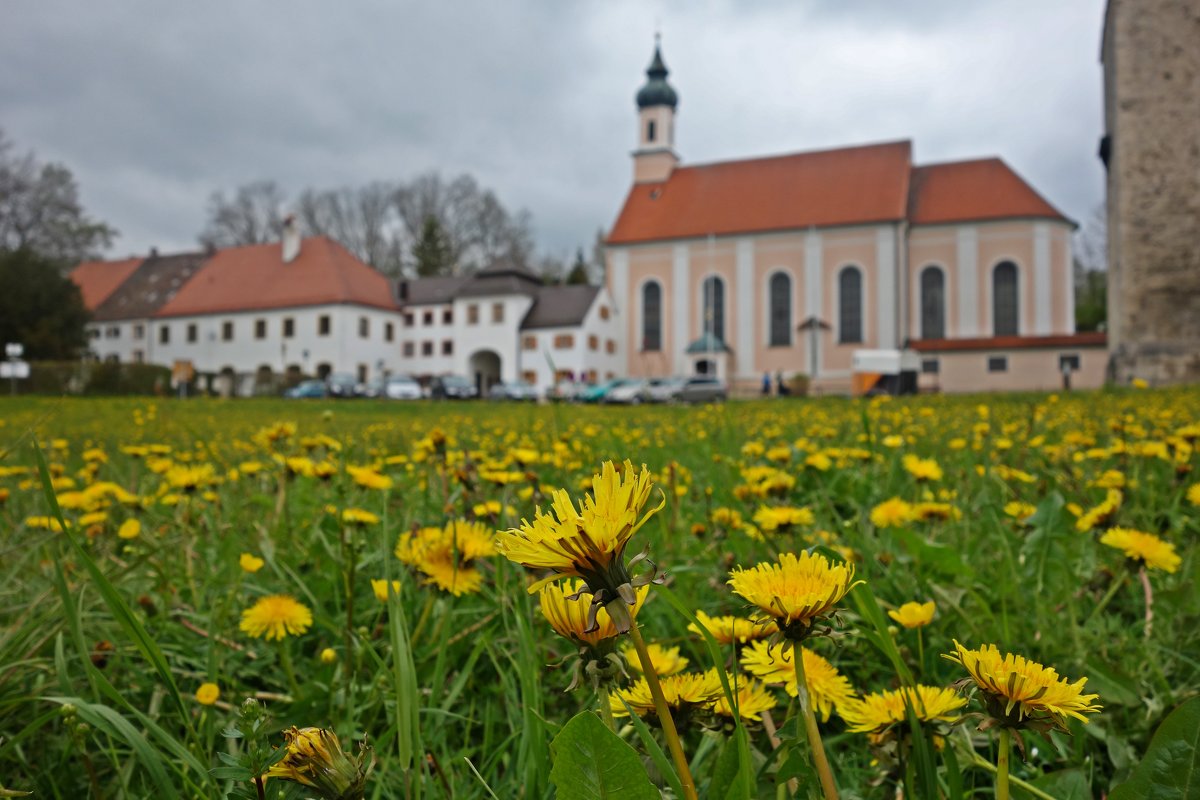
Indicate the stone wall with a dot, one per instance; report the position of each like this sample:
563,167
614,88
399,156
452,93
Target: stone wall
1151,56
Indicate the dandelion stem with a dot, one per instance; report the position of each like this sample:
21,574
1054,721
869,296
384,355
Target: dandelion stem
1113,588
285,659
620,616
1002,764
606,710
828,787
1148,593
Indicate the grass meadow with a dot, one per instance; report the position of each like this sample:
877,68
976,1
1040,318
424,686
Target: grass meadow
145,545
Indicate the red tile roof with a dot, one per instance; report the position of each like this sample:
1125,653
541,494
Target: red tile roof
970,191
1010,342
254,278
851,185
99,279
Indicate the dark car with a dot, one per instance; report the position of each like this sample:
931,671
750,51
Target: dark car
307,390
452,387
343,385
702,389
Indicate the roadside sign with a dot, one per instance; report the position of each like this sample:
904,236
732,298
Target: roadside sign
16,370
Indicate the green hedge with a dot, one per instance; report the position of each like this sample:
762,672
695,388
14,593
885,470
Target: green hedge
94,378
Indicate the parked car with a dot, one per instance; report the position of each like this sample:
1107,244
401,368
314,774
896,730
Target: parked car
402,387
452,387
305,390
702,389
594,394
342,385
663,390
374,387
629,392
514,390
566,391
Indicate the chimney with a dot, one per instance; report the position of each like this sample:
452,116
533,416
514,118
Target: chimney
402,290
154,252
291,239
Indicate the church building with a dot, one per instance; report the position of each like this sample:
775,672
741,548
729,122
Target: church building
792,263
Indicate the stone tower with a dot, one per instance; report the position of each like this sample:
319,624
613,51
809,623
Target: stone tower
655,157
1151,57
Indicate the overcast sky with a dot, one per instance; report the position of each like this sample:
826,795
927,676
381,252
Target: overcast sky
154,105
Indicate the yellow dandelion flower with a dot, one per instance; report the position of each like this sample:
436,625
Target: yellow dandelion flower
369,478
46,523
927,511
446,555
923,469
666,660
250,563
795,590
207,694
588,542
380,588
1100,514
329,656
914,615
1144,547
753,698
572,618
684,692
827,688
94,518
874,712
1193,494
1012,683
728,629
275,617
893,513
359,516
1019,510
130,529
771,519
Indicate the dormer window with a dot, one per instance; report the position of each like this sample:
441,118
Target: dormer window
650,130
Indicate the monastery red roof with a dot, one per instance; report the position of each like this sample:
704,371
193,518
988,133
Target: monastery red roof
254,277
1089,339
971,191
851,185
99,279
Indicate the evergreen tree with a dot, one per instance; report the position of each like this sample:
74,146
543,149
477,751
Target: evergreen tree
431,252
579,270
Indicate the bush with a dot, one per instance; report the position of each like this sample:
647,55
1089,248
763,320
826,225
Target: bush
94,378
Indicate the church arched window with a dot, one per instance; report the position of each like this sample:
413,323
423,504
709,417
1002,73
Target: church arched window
850,313
713,308
933,303
652,316
1005,303
779,292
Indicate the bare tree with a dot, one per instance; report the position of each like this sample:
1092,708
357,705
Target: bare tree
362,219
254,215
40,211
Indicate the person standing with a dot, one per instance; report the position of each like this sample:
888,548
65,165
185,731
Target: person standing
766,384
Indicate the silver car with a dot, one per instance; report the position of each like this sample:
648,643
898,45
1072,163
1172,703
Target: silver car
702,389
402,387
629,392
663,390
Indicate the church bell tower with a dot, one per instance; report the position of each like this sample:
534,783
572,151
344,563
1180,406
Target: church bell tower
655,157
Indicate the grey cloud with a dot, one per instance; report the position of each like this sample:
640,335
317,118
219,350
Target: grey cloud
157,105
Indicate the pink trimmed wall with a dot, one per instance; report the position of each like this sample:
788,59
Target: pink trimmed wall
1028,370
1005,242
840,250
779,254
645,264
938,247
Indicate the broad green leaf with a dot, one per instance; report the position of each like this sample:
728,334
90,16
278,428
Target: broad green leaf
1170,769
593,763
1067,784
